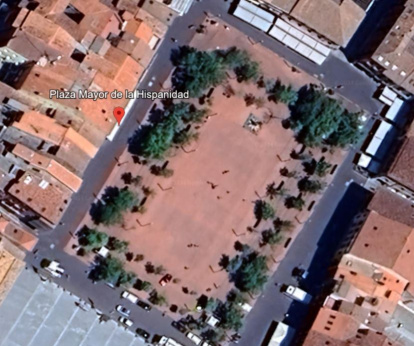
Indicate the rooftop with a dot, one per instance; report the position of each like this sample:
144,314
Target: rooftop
403,166
396,52
392,206
377,231
48,198
345,16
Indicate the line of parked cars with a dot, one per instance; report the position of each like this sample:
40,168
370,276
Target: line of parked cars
125,320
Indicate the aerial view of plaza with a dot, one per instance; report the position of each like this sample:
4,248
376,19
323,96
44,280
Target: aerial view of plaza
206,172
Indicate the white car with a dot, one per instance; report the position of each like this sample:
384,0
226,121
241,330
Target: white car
122,310
297,294
125,322
129,296
55,269
194,338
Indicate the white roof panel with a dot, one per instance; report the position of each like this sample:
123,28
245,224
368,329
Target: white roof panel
248,6
322,49
394,109
385,100
309,41
373,146
296,33
260,23
364,161
382,130
291,41
243,14
389,94
304,49
277,33
265,15
317,57
282,24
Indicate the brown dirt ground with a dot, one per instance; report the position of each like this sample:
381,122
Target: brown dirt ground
186,210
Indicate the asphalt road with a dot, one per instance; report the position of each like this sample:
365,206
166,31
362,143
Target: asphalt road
335,71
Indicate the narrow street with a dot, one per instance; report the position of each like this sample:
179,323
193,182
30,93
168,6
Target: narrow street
272,305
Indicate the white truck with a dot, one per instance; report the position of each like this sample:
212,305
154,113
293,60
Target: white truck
55,269
279,335
297,294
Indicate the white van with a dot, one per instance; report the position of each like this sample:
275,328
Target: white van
298,294
129,296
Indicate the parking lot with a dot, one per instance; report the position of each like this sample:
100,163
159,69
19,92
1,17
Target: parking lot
39,313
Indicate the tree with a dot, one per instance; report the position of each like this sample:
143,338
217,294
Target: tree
159,139
294,202
232,316
282,225
263,210
248,271
157,298
284,172
322,168
159,270
308,185
269,236
91,239
282,93
149,268
319,119
112,205
111,270
196,71
114,244
271,190
139,258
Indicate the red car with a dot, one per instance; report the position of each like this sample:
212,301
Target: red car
165,279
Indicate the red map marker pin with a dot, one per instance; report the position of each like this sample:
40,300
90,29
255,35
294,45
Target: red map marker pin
119,113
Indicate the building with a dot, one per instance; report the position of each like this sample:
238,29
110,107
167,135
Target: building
372,299
46,142
345,16
392,61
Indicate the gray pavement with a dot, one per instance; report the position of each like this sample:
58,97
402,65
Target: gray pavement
357,88
37,313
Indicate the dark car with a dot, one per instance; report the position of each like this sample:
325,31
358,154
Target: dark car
179,326
165,279
143,333
144,305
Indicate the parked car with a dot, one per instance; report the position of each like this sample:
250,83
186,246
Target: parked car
194,338
129,296
165,279
123,310
179,326
143,333
125,322
144,305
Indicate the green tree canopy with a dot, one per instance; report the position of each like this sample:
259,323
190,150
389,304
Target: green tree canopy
197,70
91,239
320,119
282,93
309,185
111,270
112,205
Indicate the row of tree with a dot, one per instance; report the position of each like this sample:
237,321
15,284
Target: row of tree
173,126
197,71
